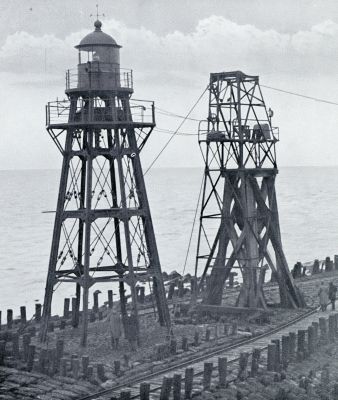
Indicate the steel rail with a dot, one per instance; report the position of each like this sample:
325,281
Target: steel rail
143,378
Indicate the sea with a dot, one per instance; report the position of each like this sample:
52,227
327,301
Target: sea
308,212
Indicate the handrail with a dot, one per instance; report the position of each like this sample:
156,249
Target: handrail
58,112
99,79
250,134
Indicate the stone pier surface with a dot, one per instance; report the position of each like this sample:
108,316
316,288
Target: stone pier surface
201,336
24,385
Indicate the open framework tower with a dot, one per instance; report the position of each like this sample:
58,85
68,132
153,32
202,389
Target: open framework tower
103,229
239,224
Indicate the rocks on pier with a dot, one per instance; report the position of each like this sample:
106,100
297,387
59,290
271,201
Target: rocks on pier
24,385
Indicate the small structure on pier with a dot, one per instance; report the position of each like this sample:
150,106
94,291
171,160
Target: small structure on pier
239,224
103,229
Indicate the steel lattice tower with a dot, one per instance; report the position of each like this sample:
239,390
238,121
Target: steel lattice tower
239,223
103,230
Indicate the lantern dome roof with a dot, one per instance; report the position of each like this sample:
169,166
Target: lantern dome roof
97,38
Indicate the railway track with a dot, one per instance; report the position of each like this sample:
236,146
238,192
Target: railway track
231,351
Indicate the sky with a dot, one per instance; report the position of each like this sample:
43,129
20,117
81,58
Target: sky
172,46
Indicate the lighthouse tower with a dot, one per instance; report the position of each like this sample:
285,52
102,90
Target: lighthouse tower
103,231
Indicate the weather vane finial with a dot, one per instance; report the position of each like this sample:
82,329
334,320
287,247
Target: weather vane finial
97,13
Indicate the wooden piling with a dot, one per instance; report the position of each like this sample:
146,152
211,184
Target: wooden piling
26,340
207,334
144,391
171,290
38,309
316,332
323,330
177,385
9,319
75,313
301,346
110,299
336,262
90,373
166,388
96,301
180,287
222,371
117,367
278,354
125,395
42,360
325,376
292,346
84,365
173,346
100,372
335,391
23,315
285,351
92,317
336,323
59,349
51,326
193,285
31,330
196,338
46,362
142,294
243,364
234,329
271,360
66,306
332,328
2,352
63,324
15,345
185,343
126,360
188,382
49,362
53,362
226,329
63,366
75,368
30,357
216,332
207,373
73,357
311,339
161,350
256,354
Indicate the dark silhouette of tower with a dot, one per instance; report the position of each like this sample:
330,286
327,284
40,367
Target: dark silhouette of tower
103,230
239,224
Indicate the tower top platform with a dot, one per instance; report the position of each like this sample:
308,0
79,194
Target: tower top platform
233,75
97,38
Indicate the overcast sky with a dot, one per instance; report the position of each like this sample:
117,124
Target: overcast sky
172,46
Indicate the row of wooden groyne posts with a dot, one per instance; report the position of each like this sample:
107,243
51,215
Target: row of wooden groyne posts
17,337
316,267
17,349
276,357
20,349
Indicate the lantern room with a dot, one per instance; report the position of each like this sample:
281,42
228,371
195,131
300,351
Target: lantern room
99,61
